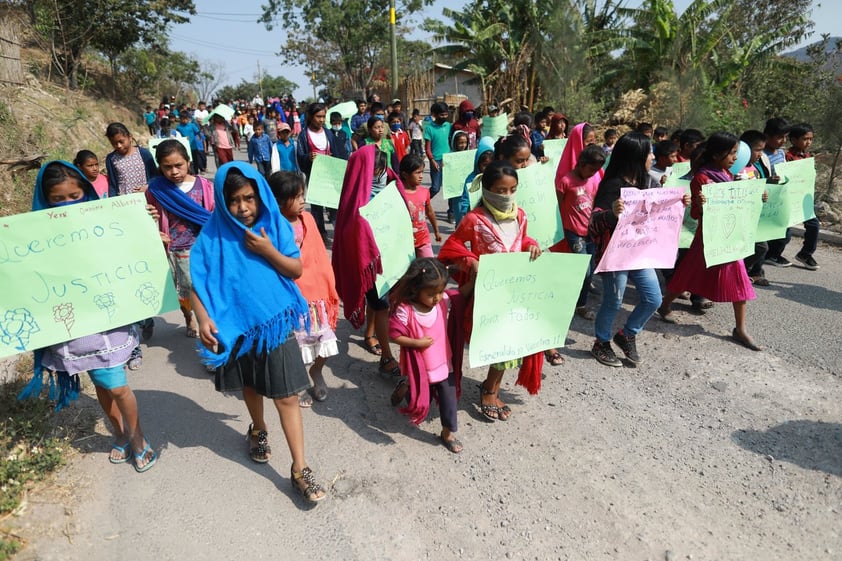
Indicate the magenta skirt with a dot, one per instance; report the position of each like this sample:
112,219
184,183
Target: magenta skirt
727,282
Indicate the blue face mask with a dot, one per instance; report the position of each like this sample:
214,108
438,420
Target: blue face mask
83,199
381,117
395,127
468,115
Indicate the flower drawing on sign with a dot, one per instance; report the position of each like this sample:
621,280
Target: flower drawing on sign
106,303
63,313
148,294
16,327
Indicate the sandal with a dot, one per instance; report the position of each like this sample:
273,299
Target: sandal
701,303
489,411
453,444
504,412
399,393
745,341
394,371
304,400
261,451
124,449
192,332
151,462
374,349
318,392
305,483
554,358
666,316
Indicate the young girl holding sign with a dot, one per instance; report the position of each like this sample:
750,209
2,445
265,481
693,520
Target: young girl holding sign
727,282
102,355
247,243
317,283
418,203
629,167
419,326
184,204
497,225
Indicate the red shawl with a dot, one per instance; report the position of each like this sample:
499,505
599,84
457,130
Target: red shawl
317,281
570,155
356,257
455,252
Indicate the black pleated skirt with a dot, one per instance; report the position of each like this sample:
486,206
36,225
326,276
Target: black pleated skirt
276,374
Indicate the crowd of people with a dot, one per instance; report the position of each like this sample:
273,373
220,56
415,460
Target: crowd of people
250,223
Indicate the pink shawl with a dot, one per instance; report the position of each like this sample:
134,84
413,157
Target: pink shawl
570,155
356,257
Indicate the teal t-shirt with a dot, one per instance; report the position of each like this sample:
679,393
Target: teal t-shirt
439,137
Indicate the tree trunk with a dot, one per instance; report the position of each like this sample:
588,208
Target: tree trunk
112,59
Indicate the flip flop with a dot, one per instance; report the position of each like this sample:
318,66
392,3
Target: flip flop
319,392
452,445
124,449
394,372
150,463
667,316
747,343
192,333
304,400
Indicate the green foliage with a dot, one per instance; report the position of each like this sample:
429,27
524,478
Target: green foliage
344,40
150,70
8,548
28,450
113,26
272,86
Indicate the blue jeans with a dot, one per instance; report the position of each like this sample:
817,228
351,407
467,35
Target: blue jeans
435,180
581,245
613,288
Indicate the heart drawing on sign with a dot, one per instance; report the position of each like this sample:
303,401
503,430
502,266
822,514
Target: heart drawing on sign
729,224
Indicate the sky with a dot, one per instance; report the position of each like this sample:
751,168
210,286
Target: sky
221,33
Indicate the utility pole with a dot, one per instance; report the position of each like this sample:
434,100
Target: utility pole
260,81
394,49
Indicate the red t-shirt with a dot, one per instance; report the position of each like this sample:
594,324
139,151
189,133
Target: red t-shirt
575,201
416,202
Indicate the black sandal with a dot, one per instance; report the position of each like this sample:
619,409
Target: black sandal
488,409
261,452
399,393
394,372
374,349
311,491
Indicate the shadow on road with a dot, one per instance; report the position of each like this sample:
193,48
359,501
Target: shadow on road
810,295
809,444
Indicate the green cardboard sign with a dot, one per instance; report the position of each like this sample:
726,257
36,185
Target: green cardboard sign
223,110
154,142
730,217
689,225
676,172
495,127
554,148
799,177
522,307
537,197
455,169
347,109
391,225
72,271
774,217
324,186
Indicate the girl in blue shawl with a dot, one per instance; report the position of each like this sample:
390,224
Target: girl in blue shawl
102,355
248,335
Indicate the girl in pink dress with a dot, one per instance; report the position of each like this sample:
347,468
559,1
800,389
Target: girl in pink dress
727,282
418,325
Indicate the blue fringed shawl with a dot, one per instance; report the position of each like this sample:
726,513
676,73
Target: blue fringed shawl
242,293
64,387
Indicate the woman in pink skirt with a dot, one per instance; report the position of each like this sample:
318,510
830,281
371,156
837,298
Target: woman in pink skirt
727,282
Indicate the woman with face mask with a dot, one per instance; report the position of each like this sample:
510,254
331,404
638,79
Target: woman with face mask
468,123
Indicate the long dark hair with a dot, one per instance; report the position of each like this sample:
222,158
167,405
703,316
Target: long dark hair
425,272
235,179
628,164
716,147
497,170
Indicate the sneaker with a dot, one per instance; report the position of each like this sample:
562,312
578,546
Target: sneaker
807,261
628,346
604,354
780,261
